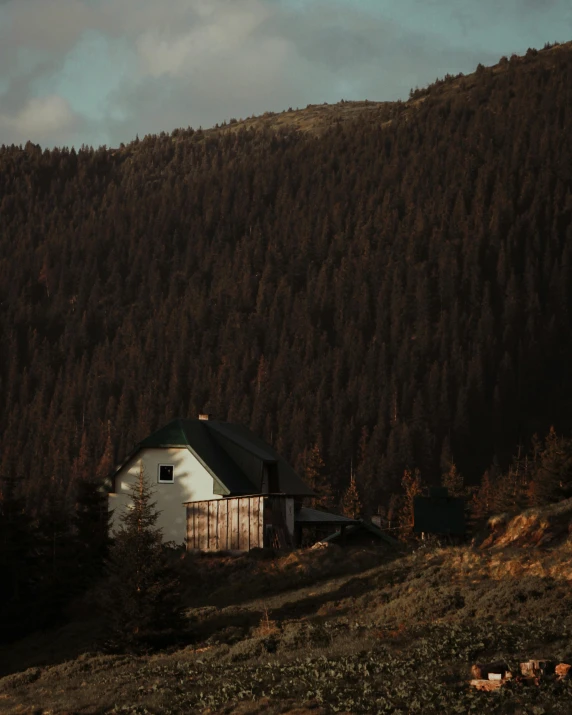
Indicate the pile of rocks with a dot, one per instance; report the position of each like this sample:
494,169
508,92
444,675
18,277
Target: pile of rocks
491,676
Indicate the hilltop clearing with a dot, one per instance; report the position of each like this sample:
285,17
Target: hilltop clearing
315,118
375,632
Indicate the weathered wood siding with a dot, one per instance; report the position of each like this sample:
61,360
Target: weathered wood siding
225,524
240,523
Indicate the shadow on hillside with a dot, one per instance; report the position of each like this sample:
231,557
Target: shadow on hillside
50,647
245,581
210,621
308,607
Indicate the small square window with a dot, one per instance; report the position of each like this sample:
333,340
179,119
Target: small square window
166,474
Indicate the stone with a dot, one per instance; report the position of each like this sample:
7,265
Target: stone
480,671
487,684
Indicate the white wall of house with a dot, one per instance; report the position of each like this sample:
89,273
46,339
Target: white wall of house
191,482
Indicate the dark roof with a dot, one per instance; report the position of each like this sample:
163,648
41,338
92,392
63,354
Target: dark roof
313,516
246,439
364,526
232,454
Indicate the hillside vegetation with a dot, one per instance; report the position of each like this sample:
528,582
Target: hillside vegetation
394,289
315,118
323,631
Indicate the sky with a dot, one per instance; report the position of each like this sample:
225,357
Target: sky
96,72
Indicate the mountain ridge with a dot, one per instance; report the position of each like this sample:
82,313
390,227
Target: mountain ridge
317,118
398,295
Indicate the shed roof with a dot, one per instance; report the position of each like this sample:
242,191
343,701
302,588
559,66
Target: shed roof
206,439
364,526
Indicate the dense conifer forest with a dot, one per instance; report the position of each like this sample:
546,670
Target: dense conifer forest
393,292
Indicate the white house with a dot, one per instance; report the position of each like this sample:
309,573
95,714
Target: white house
202,460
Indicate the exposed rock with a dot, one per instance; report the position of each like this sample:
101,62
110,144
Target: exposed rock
487,684
483,671
563,670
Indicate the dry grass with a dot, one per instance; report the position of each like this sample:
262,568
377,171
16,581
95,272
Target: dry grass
314,119
271,615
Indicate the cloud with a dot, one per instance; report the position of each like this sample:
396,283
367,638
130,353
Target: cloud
108,69
42,118
221,34
48,26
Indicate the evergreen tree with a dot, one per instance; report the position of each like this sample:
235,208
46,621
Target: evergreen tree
106,463
141,595
351,505
91,532
482,502
412,487
318,480
511,491
453,481
509,494
552,478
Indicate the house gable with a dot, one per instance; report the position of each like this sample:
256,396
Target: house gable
191,482
232,454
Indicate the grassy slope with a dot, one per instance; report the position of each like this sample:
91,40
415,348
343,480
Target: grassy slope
361,632
315,118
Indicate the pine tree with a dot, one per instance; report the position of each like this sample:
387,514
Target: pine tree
454,481
512,489
318,480
552,477
507,492
482,502
411,485
105,465
142,592
351,505
91,522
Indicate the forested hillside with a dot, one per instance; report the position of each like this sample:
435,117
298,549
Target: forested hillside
396,289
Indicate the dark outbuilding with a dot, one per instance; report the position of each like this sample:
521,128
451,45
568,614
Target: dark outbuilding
439,513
